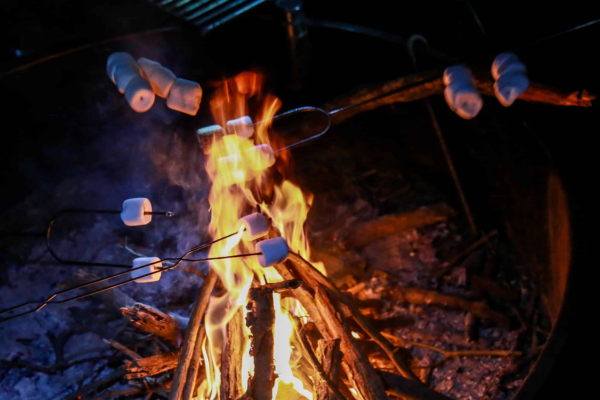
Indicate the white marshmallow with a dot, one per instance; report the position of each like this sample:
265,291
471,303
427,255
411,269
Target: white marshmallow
207,134
147,65
464,100
162,80
260,157
231,170
139,94
505,63
255,226
134,210
185,96
274,251
242,127
124,73
138,262
456,74
509,87
114,60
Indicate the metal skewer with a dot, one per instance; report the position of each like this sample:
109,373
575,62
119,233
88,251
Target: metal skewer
177,261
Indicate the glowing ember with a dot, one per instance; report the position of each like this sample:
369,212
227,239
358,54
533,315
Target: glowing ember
244,181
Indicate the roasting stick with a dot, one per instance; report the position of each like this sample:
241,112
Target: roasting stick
177,261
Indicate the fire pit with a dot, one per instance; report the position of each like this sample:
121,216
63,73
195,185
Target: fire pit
363,277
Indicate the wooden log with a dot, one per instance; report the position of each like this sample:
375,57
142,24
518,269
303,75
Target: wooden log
366,381
330,358
154,321
419,296
315,278
150,366
418,86
180,380
194,371
392,224
232,357
261,320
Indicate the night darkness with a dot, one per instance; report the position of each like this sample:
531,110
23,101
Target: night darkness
70,140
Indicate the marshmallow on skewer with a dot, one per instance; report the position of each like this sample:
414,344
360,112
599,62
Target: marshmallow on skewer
509,87
274,251
255,226
511,78
161,79
206,136
260,157
147,65
242,127
185,96
125,73
460,93
506,63
134,211
139,94
116,59
140,261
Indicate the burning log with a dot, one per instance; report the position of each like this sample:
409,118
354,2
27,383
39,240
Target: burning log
180,381
330,357
151,320
231,359
359,369
150,366
261,320
419,86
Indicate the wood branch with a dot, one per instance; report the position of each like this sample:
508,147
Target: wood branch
283,285
232,357
261,321
194,371
180,380
150,366
418,86
419,296
408,389
330,357
447,354
130,353
310,274
324,378
389,225
368,384
154,321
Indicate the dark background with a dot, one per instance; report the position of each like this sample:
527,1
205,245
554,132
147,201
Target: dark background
64,121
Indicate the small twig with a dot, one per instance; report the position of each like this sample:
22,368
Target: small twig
447,354
130,353
283,285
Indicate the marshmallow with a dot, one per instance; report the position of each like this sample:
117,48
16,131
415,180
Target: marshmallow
242,127
207,134
505,63
138,262
162,80
124,73
457,73
508,87
116,59
185,96
147,65
134,210
139,94
464,100
255,226
231,170
274,251
260,157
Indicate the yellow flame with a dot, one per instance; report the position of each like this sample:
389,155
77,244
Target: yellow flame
239,177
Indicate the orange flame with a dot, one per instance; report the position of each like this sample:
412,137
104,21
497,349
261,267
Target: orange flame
242,182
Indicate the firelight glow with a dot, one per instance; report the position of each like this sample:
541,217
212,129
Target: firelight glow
241,184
